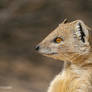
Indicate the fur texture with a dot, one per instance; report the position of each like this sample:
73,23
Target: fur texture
75,50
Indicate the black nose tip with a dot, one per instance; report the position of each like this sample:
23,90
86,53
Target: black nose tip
37,47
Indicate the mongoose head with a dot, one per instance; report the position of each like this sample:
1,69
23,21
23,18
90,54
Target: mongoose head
67,42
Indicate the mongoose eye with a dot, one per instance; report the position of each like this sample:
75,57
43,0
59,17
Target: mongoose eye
58,40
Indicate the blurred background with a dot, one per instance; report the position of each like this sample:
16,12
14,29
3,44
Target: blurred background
23,24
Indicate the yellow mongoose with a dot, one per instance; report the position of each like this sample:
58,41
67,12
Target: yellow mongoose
70,42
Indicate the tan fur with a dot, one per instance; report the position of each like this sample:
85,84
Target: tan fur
77,55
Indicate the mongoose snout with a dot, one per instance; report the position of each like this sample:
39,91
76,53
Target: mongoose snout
37,48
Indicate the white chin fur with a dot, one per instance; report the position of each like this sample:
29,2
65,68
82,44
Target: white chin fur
45,51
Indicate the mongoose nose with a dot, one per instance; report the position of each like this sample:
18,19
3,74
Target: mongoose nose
37,47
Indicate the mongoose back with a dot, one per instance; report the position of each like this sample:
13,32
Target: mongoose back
70,42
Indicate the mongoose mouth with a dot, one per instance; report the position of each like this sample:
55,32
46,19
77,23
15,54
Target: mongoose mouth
53,53
46,51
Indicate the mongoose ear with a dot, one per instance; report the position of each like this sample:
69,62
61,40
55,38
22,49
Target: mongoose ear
65,21
82,31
